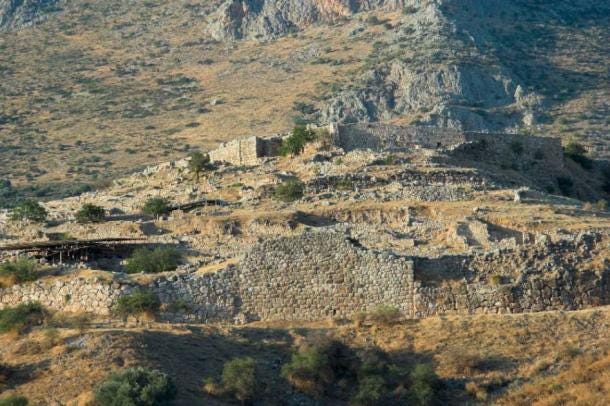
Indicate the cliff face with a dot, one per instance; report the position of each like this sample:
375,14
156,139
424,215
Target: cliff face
15,14
267,19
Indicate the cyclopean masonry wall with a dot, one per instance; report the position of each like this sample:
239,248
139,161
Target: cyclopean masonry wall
325,274
321,275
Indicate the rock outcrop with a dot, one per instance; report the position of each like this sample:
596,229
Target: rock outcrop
267,19
15,14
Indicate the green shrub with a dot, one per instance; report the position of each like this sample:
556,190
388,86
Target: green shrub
14,401
156,206
21,270
161,259
385,314
517,147
90,213
578,153
309,371
21,317
371,389
345,184
289,190
295,143
198,162
136,387
565,185
29,210
136,303
239,378
315,369
424,384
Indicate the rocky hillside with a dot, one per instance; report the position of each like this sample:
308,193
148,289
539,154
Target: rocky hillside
96,88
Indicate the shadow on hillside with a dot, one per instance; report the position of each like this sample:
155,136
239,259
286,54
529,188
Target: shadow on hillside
201,353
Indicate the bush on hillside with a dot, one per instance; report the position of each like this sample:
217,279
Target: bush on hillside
20,271
384,314
136,303
517,147
156,206
371,390
289,190
161,259
239,378
295,143
90,213
578,153
14,401
29,210
136,386
424,384
315,369
565,185
22,317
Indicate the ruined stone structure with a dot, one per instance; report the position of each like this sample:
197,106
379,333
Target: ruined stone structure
325,274
246,151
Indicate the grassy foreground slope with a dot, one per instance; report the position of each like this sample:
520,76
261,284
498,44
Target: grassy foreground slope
542,358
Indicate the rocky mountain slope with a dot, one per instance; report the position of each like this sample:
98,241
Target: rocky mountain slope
119,84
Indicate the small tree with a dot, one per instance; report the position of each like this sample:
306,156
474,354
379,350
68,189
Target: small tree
161,259
424,384
90,213
289,190
295,143
136,386
198,162
156,206
239,378
29,210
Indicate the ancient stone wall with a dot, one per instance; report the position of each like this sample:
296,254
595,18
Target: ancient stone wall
384,137
246,151
320,275
545,276
325,274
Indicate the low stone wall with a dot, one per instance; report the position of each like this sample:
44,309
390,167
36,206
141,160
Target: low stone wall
325,274
77,295
384,137
545,276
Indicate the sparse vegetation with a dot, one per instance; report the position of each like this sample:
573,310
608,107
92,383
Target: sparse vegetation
22,317
156,206
90,213
289,190
29,210
384,314
161,259
136,386
136,303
